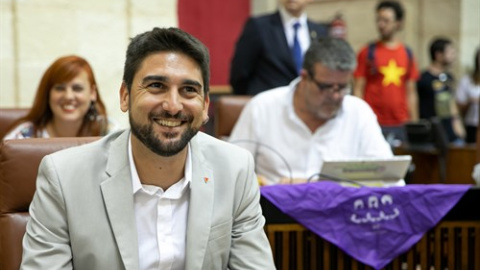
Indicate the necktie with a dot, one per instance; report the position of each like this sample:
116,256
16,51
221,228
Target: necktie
296,50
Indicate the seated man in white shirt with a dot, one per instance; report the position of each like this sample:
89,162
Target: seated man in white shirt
291,130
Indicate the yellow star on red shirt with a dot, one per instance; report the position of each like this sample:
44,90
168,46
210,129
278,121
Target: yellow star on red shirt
392,73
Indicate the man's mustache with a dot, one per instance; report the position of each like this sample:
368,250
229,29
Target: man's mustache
166,115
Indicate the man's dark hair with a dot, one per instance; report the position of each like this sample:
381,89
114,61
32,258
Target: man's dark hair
438,45
395,6
165,40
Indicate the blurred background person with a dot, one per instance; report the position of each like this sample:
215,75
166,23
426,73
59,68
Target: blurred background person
269,52
468,94
386,74
67,104
436,90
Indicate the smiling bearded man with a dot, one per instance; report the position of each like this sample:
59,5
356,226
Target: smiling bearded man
163,196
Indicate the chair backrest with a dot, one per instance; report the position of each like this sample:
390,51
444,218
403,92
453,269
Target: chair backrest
19,161
227,111
8,116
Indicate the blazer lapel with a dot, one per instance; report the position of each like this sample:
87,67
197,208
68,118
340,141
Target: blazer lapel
200,207
280,41
118,198
313,33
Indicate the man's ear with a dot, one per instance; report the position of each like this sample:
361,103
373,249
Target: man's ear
438,55
304,74
400,25
124,97
206,107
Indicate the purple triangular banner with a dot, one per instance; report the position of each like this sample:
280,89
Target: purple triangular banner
373,225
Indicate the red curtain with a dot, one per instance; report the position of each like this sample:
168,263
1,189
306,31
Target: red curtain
217,23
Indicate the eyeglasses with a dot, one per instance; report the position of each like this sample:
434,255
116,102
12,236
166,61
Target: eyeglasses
331,88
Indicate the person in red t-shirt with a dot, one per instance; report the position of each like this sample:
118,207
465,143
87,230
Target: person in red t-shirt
386,74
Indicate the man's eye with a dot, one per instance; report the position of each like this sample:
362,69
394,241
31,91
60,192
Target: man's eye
155,87
325,86
190,89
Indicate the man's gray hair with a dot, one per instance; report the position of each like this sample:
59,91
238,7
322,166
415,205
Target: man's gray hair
334,53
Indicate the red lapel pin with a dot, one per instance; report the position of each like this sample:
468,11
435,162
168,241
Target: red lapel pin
205,179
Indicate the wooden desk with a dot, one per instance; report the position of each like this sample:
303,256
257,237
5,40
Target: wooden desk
454,243
459,165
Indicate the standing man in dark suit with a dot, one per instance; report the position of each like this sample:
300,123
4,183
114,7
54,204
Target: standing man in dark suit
270,49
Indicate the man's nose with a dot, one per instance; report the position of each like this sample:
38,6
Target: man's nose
336,92
336,95
172,102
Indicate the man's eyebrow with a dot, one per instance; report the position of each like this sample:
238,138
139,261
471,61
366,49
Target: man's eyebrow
154,78
166,79
192,82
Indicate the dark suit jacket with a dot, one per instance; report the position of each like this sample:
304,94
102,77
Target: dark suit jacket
263,59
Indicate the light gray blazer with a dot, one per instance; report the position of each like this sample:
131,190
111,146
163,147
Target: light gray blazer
82,214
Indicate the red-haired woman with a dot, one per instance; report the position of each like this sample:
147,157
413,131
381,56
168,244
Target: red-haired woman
67,104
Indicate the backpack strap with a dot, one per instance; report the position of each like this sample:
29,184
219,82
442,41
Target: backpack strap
410,58
371,57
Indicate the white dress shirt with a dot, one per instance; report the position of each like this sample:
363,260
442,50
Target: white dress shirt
161,218
284,146
303,34
466,92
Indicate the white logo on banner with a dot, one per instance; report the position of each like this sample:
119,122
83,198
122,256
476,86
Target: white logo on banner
374,211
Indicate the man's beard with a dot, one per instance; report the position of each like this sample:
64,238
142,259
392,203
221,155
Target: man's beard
146,135
387,36
317,110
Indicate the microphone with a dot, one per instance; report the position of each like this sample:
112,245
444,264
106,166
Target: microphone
266,146
318,175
